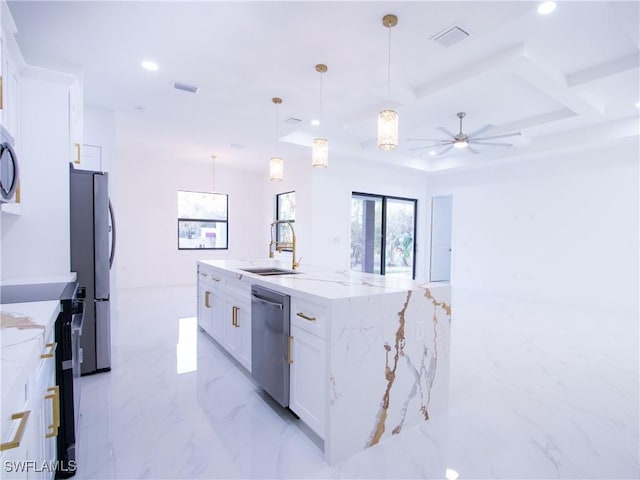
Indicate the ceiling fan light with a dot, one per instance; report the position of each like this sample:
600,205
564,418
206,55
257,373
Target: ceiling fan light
276,169
320,153
460,144
388,121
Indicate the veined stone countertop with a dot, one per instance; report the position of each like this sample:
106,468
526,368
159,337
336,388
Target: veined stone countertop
318,282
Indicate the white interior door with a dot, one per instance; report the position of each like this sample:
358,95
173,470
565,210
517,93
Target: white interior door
441,210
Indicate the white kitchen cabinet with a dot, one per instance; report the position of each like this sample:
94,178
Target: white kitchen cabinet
205,313
30,416
210,303
237,327
75,122
308,383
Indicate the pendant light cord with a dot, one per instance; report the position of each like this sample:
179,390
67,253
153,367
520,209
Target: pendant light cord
276,139
389,70
321,75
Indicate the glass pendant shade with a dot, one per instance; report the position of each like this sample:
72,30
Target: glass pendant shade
276,169
320,153
388,129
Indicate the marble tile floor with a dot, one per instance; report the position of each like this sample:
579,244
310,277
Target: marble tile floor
176,406
538,391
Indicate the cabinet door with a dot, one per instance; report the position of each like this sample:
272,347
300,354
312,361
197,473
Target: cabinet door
204,303
243,323
307,378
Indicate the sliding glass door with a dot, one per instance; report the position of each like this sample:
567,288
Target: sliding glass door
383,234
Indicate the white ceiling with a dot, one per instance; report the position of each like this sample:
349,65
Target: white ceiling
566,80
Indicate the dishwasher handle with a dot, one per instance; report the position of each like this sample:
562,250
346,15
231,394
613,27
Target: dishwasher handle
266,302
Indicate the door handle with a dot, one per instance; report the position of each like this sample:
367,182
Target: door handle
289,342
55,397
15,443
302,315
234,316
207,295
52,348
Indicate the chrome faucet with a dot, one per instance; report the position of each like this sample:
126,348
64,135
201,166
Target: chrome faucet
280,246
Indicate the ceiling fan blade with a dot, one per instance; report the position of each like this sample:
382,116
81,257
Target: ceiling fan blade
495,144
442,129
471,149
421,148
427,140
493,137
445,150
480,130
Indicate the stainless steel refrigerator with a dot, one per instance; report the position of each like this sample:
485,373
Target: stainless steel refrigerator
92,249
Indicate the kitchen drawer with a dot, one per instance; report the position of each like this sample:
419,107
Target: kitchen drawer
208,274
309,316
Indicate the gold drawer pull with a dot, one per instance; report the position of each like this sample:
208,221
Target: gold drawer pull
289,341
207,295
52,348
77,159
302,315
55,397
15,443
215,279
203,274
234,316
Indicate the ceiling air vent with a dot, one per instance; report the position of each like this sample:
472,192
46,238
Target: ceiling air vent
184,87
450,36
292,121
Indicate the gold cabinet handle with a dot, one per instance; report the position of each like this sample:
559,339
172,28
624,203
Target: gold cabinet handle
77,159
207,295
54,396
289,342
302,315
204,274
234,316
15,443
51,347
215,279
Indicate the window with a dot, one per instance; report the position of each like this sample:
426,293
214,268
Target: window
285,210
202,221
383,234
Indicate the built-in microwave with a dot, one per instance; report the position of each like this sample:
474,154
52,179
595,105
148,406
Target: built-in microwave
9,175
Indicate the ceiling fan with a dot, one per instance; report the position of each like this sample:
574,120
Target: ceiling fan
462,140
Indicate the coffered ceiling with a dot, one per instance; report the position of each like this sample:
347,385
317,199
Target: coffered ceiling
567,80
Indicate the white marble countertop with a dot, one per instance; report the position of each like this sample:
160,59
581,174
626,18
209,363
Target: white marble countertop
24,328
316,281
33,280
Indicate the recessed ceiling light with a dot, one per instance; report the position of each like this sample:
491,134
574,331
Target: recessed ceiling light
150,65
637,104
546,8
315,122
432,152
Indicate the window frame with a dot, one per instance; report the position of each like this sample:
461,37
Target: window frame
207,220
383,227
278,195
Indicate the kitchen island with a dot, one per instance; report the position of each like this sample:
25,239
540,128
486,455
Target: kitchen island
369,354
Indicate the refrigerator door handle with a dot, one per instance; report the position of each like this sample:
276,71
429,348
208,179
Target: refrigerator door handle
112,254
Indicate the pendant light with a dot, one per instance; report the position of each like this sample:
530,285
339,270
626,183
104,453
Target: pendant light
276,165
388,119
320,147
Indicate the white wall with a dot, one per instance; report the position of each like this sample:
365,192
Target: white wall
145,185
549,228
331,204
544,340
37,241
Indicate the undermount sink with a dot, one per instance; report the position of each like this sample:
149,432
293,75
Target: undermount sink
265,271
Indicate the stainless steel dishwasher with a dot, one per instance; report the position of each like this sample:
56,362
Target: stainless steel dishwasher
270,342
